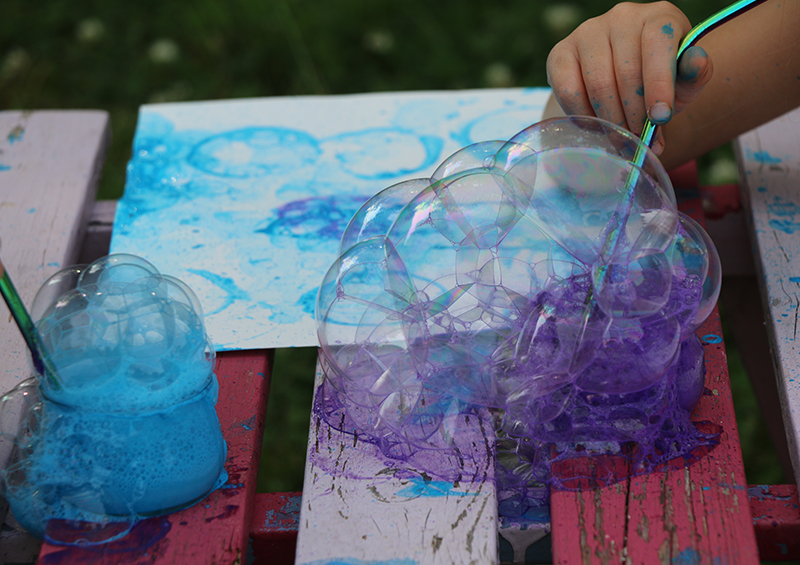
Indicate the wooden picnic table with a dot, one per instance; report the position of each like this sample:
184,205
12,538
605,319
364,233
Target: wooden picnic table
49,165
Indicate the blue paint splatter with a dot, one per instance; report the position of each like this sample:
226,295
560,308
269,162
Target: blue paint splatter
780,207
16,135
31,210
255,152
54,264
384,153
249,423
762,189
285,519
5,167
764,157
794,279
308,302
688,556
640,90
668,31
494,124
786,226
233,292
711,338
432,489
313,219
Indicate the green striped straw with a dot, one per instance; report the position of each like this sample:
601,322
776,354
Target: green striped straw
41,361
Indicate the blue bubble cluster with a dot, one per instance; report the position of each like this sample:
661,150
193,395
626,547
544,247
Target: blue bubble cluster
129,427
548,278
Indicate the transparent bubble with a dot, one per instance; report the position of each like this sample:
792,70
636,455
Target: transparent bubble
377,214
118,323
473,157
699,274
549,278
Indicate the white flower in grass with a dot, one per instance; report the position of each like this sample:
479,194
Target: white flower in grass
498,75
379,41
561,19
723,171
14,62
164,51
90,30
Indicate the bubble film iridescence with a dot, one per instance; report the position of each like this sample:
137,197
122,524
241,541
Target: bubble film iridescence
131,428
546,278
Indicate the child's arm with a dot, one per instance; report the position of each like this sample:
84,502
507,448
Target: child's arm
755,74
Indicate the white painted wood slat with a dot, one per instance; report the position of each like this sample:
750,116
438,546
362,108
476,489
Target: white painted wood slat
50,163
769,162
362,507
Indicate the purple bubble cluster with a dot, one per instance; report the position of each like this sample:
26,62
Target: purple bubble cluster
547,278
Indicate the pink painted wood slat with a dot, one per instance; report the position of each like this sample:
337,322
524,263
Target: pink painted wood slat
776,519
214,531
273,528
697,514
774,509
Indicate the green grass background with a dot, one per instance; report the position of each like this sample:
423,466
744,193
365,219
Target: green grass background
116,55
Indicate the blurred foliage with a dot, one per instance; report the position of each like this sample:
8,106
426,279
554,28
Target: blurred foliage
117,56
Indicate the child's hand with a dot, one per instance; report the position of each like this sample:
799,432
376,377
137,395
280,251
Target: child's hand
621,67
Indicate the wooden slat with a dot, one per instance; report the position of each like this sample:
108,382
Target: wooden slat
50,163
214,531
776,519
774,508
360,505
273,528
693,515
769,161
698,514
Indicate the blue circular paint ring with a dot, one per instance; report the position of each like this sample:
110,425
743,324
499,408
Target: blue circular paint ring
711,338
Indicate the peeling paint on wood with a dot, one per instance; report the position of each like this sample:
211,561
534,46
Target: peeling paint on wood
683,523
770,174
386,509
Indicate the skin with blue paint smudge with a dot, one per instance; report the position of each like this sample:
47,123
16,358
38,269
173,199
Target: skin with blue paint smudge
623,61
629,53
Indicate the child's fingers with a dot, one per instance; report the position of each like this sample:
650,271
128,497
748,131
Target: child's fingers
660,39
628,71
658,142
597,67
694,71
564,76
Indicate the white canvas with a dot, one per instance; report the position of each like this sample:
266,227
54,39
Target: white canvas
245,200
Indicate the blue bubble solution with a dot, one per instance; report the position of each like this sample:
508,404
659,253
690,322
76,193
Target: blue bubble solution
130,429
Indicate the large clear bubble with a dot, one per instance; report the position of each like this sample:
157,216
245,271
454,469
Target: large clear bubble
549,278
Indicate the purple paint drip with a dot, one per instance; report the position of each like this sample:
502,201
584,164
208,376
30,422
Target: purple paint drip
493,296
